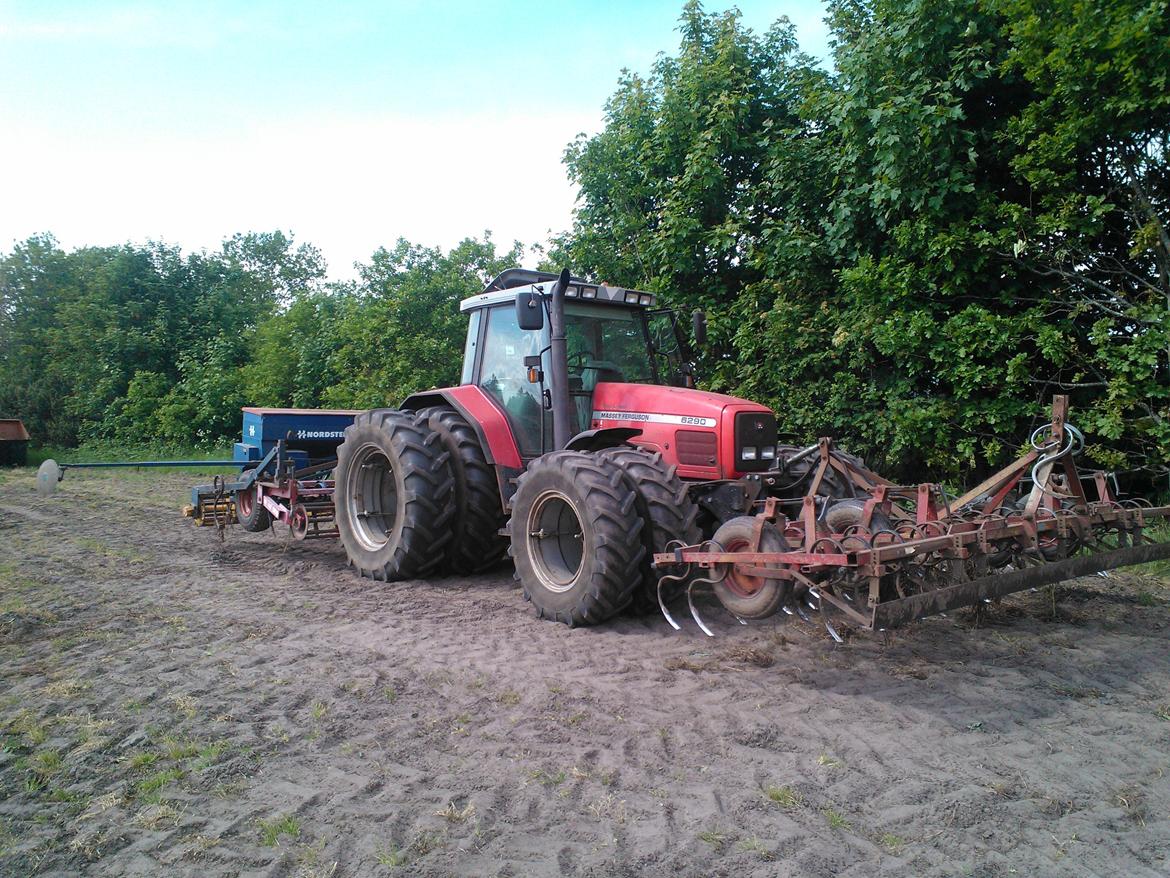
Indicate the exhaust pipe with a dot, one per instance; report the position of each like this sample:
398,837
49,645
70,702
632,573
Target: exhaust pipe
562,412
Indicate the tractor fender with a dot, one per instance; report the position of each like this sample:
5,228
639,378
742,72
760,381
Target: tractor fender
603,437
490,425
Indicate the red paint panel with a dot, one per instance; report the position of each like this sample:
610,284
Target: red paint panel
681,402
482,409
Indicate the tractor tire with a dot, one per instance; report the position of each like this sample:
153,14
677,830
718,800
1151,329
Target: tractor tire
250,512
668,514
846,513
750,597
799,474
479,514
393,493
576,537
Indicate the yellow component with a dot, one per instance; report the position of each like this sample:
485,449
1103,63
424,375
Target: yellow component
211,513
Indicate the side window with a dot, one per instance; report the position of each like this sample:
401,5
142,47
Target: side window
503,376
471,347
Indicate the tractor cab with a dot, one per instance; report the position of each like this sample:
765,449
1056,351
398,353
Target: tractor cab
612,335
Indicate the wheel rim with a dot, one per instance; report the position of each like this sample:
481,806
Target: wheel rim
371,497
244,501
555,541
740,583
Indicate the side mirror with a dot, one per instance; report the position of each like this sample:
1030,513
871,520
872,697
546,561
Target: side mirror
699,324
529,311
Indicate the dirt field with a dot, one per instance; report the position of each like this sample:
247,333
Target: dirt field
176,705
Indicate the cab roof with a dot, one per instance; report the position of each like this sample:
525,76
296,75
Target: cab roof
508,284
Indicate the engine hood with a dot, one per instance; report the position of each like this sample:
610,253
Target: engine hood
633,400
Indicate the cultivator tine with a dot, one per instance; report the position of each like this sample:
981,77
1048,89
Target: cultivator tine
833,632
662,580
694,610
803,615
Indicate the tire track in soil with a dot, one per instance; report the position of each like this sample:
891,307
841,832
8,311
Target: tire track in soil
363,709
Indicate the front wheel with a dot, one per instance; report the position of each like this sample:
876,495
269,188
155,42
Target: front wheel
576,537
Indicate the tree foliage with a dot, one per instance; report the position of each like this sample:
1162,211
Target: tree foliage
913,250
916,250
141,345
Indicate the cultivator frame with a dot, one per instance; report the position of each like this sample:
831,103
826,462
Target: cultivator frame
301,498
912,552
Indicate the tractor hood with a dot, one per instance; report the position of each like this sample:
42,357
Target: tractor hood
708,435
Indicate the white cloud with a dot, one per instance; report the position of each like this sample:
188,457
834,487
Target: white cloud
345,185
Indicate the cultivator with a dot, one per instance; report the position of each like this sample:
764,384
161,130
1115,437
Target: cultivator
886,554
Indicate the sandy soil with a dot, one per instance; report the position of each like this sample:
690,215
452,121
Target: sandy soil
173,704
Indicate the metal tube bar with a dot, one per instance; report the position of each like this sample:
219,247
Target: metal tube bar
898,612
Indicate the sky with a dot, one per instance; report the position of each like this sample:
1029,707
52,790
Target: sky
348,124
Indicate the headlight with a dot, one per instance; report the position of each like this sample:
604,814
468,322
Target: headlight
768,452
748,452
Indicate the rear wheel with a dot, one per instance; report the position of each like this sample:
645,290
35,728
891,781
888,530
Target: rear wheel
750,597
478,513
576,537
393,495
667,512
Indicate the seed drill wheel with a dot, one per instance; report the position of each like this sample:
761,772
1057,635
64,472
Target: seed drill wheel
576,537
393,495
479,515
250,510
750,597
668,514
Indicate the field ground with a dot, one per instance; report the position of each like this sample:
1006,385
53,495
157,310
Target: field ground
173,704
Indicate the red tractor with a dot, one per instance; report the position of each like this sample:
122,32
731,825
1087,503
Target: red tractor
576,437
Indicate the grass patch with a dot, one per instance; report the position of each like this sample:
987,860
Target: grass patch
891,842
150,788
509,697
47,762
176,749
786,797
715,838
829,761
272,830
546,779
318,710
836,819
454,814
390,856
755,846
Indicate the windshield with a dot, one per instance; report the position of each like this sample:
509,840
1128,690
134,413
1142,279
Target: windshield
605,343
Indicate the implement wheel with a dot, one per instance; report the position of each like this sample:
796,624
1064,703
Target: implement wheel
666,509
478,512
576,537
750,597
393,495
250,510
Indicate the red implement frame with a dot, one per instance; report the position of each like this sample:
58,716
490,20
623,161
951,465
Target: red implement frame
939,554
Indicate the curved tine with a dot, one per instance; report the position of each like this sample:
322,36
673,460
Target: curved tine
857,542
787,609
662,604
666,614
694,610
803,615
833,632
895,538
